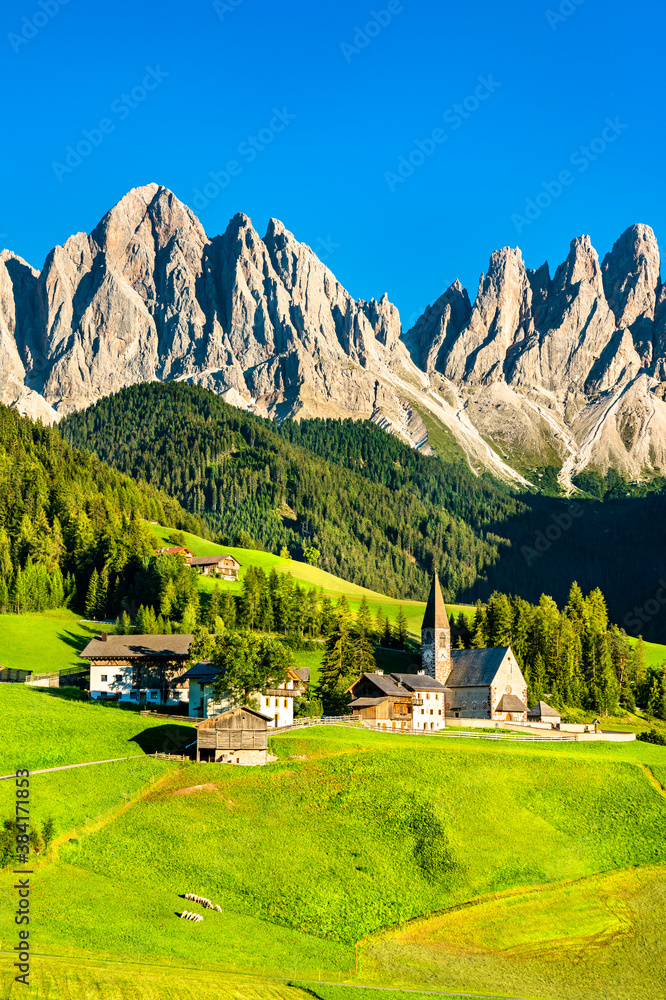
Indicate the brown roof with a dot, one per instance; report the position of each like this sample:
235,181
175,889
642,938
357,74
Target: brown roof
368,702
211,560
138,647
304,674
435,613
511,703
385,685
212,723
420,682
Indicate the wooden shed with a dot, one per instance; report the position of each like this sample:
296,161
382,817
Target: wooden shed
236,737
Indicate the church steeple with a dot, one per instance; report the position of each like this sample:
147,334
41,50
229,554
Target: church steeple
436,636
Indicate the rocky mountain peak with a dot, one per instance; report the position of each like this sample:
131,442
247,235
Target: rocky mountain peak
550,371
581,268
631,275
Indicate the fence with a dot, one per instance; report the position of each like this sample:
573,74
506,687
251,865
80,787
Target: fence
352,722
171,756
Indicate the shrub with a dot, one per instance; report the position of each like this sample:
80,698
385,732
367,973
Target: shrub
652,736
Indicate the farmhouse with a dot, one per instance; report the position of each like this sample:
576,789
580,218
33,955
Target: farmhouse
226,566
178,550
481,683
239,736
399,701
276,703
137,668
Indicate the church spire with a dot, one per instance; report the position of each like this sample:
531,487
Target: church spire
436,636
435,613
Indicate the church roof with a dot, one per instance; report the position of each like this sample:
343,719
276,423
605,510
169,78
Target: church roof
511,703
435,613
541,709
475,667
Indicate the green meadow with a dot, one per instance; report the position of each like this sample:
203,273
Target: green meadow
45,642
351,836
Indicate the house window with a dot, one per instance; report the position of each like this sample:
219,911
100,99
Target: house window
153,695
103,677
431,711
134,695
285,702
440,711
118,677
428,697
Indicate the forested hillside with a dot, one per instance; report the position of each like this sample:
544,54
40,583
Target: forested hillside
380,514
63,513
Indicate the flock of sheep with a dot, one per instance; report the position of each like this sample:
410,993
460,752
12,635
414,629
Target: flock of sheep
202,901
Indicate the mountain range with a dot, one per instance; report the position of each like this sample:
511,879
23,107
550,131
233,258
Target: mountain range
565,372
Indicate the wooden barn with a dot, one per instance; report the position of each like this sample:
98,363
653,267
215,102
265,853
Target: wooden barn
239,736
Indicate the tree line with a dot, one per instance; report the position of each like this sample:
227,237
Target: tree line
65,515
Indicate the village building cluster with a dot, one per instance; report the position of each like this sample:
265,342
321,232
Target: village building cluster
452,684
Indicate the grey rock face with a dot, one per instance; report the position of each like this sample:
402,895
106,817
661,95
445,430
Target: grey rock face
567,370
581,357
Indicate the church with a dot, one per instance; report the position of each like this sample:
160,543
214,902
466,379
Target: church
451,684
480,683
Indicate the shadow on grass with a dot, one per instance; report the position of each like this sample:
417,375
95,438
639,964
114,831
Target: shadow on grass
167,739
66,693
75,640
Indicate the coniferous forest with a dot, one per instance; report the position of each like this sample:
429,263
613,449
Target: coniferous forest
380,513
63,513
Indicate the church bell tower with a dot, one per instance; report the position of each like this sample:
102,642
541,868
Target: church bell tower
436,636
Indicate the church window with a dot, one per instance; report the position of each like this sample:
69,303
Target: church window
464,705
428,635
485,704
474,706
507,689
448,705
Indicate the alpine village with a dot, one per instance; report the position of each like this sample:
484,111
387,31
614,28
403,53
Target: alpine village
306,688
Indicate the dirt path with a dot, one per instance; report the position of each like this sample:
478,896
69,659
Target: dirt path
66,767
653,781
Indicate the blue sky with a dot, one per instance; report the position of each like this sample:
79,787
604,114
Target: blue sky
317,106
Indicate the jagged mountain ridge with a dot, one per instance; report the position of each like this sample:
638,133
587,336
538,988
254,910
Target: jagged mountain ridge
565,370
570,368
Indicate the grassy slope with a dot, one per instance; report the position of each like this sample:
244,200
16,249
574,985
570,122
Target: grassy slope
43,642
303,855
41,729
594,939
85,979
309,576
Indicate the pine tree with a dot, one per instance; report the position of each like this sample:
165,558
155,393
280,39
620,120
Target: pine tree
362,638
102,593
338,668
214,607
401,629
92,596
